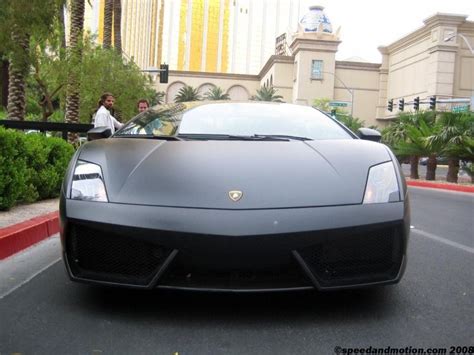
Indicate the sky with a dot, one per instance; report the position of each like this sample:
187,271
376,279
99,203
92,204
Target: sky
368,24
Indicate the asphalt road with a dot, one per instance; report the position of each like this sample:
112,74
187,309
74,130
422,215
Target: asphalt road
433,306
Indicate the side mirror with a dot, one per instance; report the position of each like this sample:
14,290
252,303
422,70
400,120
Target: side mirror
98,133
369,134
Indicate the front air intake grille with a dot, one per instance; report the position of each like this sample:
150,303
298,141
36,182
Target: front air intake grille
285,277
106,256
361,257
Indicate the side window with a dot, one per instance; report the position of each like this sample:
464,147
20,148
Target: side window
316,69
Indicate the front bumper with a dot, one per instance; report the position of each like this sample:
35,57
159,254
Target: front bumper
234,250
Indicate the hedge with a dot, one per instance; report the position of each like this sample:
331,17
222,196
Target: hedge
32,166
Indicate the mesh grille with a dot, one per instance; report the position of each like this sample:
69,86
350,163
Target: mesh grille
286,276
363,257
104,256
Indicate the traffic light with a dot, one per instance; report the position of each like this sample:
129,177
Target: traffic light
164,73
433,103
390,105
416,103
401,104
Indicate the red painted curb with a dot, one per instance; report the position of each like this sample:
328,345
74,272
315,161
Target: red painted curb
22,235
434,185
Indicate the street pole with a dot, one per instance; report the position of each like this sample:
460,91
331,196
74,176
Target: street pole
351,91
452,35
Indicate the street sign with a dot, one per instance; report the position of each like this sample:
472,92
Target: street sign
460,108
338,104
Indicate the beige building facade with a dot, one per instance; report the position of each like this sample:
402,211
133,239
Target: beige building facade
434,60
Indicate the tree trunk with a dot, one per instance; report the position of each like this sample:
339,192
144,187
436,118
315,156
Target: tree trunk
46,101
431,167
108,13
453,169
4,81
118,26
62,32
62,26
414,167
16,94
75,59
18,70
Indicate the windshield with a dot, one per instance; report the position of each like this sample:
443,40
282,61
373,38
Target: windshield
236,120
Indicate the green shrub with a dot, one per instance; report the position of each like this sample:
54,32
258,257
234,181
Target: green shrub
32,166
13,170
40,173
60,154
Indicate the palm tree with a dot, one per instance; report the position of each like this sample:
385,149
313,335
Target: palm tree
117,26
20,21
216,93
397,132
353,123
75,59
456,135
18,70
417,144
187,93
108,16
267,93
322,104
62,26
159,98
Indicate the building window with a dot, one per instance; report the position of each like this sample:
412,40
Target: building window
317,69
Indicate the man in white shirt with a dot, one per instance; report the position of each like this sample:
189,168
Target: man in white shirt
103,118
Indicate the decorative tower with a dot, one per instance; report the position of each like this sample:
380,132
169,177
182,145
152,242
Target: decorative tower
314,48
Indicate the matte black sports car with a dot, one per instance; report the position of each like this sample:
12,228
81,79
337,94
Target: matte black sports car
234,197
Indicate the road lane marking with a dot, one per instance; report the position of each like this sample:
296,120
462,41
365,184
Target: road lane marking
29,278
443,240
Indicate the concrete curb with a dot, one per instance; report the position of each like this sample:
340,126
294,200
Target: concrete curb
20,236
443,186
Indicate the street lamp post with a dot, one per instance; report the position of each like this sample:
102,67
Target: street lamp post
153,71
162,72
452,35
351,91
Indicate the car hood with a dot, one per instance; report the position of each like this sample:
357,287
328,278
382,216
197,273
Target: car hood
200,174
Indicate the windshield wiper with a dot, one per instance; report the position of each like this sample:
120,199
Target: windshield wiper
254,137
203,136
149,136
281,136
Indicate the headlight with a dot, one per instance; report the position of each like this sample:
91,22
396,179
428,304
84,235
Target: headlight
88,183
382,185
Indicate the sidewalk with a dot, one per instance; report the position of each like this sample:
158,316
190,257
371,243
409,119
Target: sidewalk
26,225
25,212
463,185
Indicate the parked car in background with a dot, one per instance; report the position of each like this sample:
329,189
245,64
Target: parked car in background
439,160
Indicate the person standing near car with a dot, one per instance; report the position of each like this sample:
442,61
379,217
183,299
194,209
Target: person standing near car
142,105
103,117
